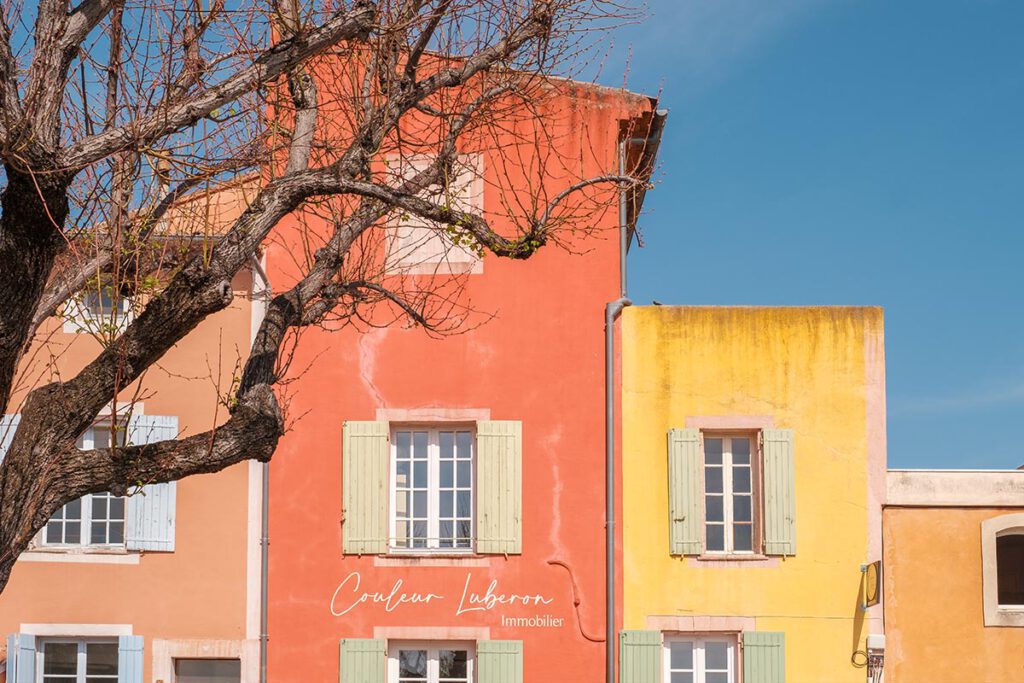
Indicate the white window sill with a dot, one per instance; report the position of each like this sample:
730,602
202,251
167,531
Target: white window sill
431,559
745,560
80,555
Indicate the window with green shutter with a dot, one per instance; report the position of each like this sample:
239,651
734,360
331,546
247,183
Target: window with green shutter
499,485
365,487
684,487
362,660
764,657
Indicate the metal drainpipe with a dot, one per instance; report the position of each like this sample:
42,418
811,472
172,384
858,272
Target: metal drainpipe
265,295
611,312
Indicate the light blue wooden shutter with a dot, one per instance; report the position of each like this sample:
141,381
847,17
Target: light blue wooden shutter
499,479
21,658
499,661
8,425
779,492
364,487
130,659
684,491
362,660
639,656
150,517
764,657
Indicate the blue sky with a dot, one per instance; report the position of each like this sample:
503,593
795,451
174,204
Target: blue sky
852,152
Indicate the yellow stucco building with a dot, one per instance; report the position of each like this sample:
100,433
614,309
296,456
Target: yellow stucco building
753,478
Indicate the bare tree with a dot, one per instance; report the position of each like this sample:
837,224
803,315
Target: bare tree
116,116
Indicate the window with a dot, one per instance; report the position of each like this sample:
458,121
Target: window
729,495
699,660
97,310
96,520
207,670
1010,569
78,661
432,489
419,246
430,662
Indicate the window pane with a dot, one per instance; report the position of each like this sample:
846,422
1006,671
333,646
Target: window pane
741,508
60,658
117,508
742,537
447,474
101,659
682,677
207,671
419,474
462,504
713,479
99,506
465,473
464,445
402,534
714,509
681,655
453,663
402,503
741,479
402,474
447,531
99,533
53,532
447,504
73,510
446,440
716,677
716,537
412,663
1010,569
419,532
72,532
419,504
465,534
741,451
116,532
713,451
402,443
716,656
419,445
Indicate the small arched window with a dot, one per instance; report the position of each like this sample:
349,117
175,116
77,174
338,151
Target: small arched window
1010,568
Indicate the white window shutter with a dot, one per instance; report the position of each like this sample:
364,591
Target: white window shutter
8,425
150,515
21,658
499,479
779,492
130,659
685,522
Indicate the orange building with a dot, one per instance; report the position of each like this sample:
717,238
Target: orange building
954,576
156,587
437,511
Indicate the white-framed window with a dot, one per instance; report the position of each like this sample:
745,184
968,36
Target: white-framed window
78,661
432,488
207,670
699,659
731,522
430,662
97,310
418,246
1002,570
98,519
1010,569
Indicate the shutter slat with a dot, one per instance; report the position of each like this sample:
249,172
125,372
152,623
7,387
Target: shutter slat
365,487
362,660
499,487
499,661
8,425
684,495
764,657
151,512
130,659
779,492
639,656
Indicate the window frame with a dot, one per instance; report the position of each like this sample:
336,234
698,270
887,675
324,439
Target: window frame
995,614
433,489
756,485
81,661
82,317
699,641
176,660
87,441
431,646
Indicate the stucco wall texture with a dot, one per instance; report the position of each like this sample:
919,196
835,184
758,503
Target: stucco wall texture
935,629
816,370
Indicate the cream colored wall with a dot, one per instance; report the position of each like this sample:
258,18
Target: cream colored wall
199,590
818,371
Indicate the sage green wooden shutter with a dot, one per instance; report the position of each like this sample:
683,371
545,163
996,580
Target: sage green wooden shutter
499,661
362,660
639,656
684,491
764,657
499,477
779,492
365,488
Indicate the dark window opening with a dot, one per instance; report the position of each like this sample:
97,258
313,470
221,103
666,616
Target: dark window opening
1010,563
207,670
